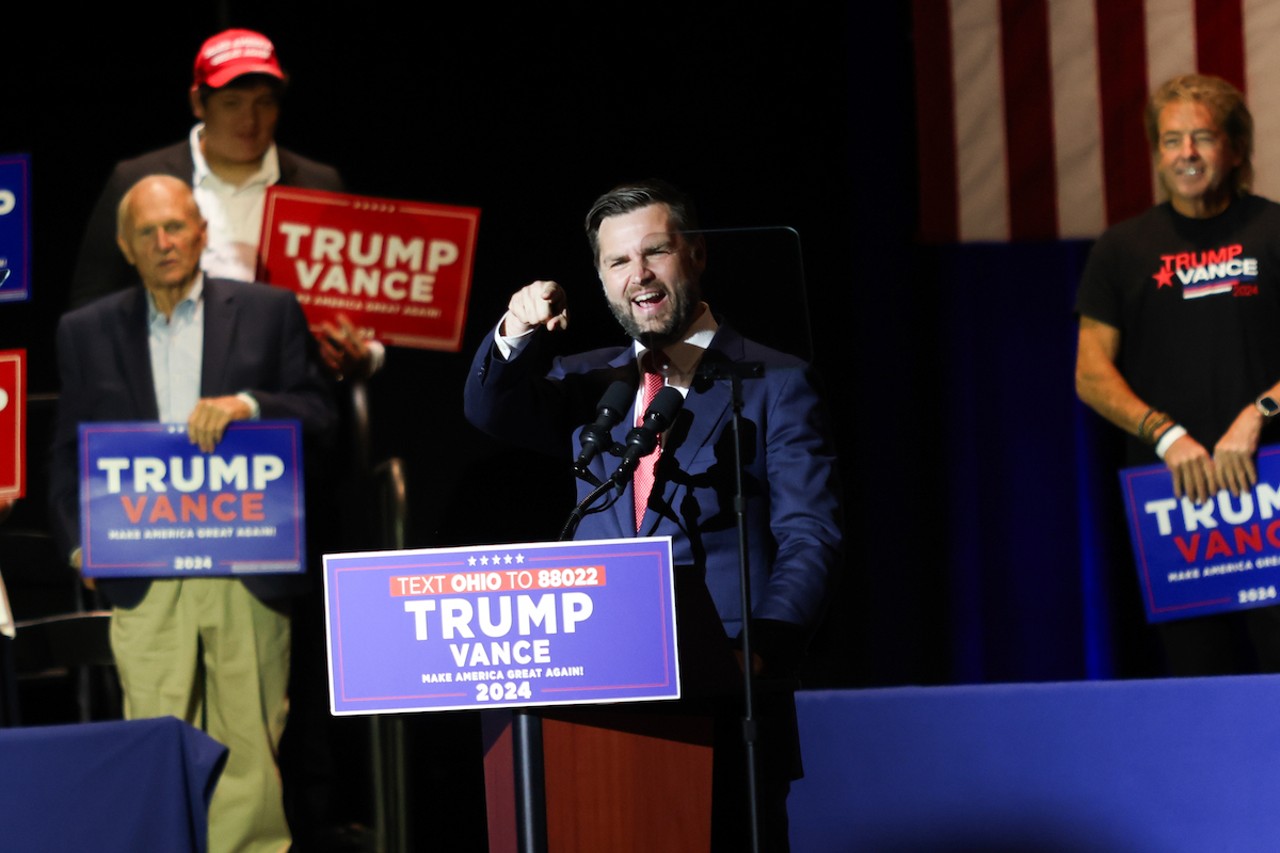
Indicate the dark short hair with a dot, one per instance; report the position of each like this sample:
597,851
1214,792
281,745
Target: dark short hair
628,197
244,81
1224,102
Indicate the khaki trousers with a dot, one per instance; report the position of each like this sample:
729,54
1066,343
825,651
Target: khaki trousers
206,651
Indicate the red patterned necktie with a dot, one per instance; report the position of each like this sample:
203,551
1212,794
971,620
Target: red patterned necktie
642,483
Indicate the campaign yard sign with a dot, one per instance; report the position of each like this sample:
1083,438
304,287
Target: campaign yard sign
1193,560
15,227
153,504
399,270
501,626
13,424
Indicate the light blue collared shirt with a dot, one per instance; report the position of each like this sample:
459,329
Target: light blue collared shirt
177,352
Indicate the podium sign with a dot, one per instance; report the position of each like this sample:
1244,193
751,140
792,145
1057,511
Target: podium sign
399,270
501,626
13,424
153,505
1195,560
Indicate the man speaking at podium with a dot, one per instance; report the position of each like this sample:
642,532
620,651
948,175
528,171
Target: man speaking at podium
649,260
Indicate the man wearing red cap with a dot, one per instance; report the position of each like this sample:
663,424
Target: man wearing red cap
229,158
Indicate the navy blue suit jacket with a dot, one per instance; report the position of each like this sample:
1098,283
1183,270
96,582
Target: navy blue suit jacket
255,340
793,511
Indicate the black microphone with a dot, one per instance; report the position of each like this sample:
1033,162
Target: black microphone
643,439
595,438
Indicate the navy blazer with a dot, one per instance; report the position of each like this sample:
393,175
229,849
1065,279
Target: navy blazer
255,340
793,512
101,268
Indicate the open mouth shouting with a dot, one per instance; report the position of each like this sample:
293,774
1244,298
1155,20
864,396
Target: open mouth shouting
648,301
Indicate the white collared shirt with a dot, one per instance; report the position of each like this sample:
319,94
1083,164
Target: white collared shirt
679,361
234,213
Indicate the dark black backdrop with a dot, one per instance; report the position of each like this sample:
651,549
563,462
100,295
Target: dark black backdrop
793,116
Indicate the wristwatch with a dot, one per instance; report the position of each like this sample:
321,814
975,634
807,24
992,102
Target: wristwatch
1269,407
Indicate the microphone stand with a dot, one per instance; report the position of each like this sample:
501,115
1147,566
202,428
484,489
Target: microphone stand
575,517
530,781
526,726
735,373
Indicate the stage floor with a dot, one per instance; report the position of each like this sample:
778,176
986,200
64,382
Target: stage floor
1162,765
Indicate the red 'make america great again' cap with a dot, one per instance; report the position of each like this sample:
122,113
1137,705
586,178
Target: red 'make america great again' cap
232,53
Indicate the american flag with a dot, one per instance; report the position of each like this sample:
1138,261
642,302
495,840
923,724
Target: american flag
1030,111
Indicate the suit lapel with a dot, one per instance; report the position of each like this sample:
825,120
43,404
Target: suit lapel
220,307
705,409
620,367
700,420
183,164
133,349
288,167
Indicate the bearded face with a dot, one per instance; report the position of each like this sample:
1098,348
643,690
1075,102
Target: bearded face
650,275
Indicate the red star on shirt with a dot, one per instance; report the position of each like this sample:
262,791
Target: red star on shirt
1164,278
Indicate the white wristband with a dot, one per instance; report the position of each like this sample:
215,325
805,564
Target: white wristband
255,411
1171,435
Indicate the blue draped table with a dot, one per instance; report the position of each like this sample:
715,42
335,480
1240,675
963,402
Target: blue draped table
115,786
1164,764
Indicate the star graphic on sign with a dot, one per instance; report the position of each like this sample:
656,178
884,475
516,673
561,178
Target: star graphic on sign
484,561
1164,278
506,559
519,559
471,561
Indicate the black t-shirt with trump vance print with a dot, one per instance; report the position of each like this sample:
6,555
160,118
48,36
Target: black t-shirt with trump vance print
1197,303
